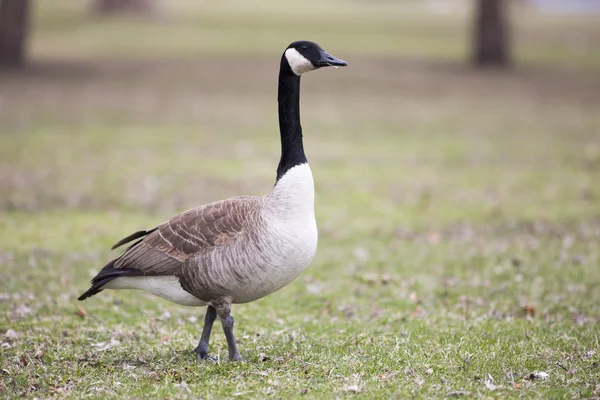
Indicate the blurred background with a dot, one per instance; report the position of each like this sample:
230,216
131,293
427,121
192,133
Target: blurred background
454,118
456,164
160,105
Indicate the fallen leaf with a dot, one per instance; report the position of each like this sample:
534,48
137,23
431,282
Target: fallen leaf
529,310
387,375
81,312
23,361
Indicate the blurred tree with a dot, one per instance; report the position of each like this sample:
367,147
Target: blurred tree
13,31
490,34
105,7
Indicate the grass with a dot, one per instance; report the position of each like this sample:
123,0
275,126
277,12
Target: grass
458,210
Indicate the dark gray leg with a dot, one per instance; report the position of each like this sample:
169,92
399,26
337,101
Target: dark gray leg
234,354
202,349
223,307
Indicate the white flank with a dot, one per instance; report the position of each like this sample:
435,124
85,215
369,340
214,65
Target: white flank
298,62
167,287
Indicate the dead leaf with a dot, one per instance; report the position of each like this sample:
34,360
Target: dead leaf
24,361
388,375
529,310
81,312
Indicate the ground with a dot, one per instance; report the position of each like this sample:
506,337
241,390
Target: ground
458,210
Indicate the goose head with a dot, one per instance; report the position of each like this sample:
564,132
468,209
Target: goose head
303,56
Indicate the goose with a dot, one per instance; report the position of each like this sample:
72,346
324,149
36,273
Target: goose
236,250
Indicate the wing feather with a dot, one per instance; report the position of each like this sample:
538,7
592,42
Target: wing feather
167,247
132,237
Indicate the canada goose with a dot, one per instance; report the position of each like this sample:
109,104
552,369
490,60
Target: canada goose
236,250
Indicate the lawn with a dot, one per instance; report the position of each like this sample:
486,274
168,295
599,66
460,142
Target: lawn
458,210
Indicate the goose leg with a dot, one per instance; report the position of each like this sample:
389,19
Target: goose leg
202,348
223,307
227,322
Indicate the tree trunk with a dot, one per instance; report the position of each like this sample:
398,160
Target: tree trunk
107,7
13,31
491,41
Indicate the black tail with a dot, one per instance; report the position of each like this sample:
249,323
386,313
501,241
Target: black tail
107,274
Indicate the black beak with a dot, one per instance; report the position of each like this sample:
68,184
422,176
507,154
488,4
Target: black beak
327,60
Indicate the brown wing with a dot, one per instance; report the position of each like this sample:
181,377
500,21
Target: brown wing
164,249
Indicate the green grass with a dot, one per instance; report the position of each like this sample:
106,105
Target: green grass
458,210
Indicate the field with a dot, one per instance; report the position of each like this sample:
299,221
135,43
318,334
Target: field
458,210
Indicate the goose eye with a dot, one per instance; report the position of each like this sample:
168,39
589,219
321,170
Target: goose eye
304,47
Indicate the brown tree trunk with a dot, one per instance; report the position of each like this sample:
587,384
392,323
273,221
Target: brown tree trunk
107,7
13,31
491,31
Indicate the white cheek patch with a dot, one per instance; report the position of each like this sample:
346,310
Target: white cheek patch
298,62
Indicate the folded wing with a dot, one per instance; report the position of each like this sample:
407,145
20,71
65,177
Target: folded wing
165,249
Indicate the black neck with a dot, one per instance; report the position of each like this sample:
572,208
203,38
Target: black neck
292,149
